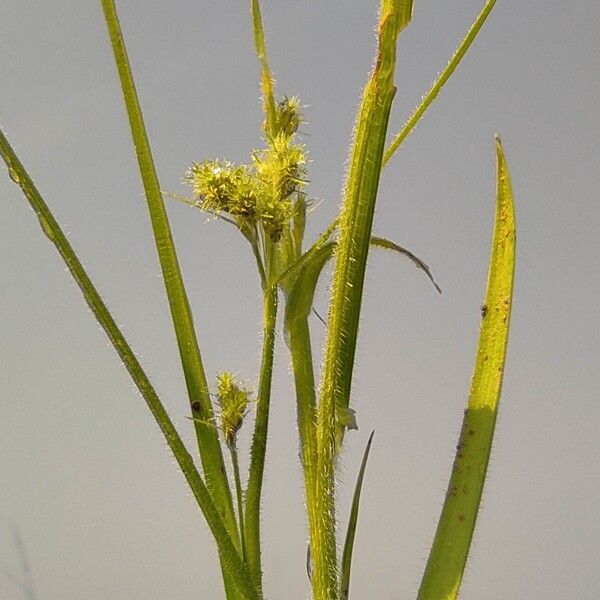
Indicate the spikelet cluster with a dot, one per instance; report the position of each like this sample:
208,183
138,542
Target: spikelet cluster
233,401
263,194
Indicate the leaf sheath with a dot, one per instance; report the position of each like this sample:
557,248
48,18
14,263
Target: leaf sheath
355,231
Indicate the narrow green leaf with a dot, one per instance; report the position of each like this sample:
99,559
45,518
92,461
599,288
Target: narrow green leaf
299,283
201,407
229,555
389,245
266,77
195,378
448,556
297,333
287,279
352,521
310,266
440,81
356,219
301,297
299,303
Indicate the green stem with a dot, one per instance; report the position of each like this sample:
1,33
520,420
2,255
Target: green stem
440,81
259,440
230,558
238,494
355,231
259,264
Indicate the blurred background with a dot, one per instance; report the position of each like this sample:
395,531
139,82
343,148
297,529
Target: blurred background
85,476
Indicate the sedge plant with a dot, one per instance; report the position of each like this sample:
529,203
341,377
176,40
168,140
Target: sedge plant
266,200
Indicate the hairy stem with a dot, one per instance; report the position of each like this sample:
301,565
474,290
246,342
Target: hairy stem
355,231
259,440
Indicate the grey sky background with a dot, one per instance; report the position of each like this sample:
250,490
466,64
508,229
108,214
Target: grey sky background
84,472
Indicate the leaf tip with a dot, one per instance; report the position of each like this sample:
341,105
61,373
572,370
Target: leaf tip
498,144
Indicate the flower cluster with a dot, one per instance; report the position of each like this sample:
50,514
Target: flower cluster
233,400
264,193
223,187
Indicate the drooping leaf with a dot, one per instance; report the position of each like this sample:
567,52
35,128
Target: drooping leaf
448,555
389,245
309,267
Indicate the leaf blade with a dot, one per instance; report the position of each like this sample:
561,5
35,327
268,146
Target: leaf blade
389,245
266,77
53,231
352,522
439,83
191,361
300,299
448,555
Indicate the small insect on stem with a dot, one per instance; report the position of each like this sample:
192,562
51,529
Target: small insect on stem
484,310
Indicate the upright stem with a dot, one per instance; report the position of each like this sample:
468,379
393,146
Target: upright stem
356,219
259,440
